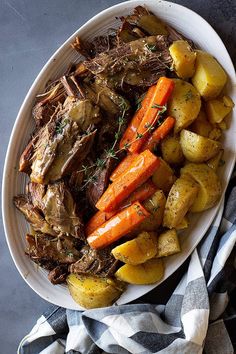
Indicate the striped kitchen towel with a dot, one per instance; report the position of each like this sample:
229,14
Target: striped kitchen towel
200,315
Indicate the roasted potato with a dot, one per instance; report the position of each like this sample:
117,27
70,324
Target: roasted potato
171,150
214,163
222,125
218,109
183,58
164,176
137,251
147,273
209,185
91,292
181,197
209,78
155,205
197,148
216,133
167,243
183,224
201,125
184,104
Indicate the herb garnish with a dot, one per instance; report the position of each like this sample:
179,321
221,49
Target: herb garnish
151,47
112,153
60,126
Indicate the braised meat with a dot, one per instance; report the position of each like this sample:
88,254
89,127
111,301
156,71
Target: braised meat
56,150
98,262
137,63
60,212
43,248
51,210
47,104
100,182
58,274
33,215
142,23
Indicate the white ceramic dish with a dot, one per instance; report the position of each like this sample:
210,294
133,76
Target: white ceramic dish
195,28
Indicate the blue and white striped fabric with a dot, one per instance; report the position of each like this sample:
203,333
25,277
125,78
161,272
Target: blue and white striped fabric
200,316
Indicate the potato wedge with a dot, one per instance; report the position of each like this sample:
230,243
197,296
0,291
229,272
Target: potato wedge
218,109
91,292
209,185
183,224
147,273
214,163
184,58
216,132
171,150
209,78
180,199
201,125
164,176
137,251
155,205
222,125
184,104
228,102
197,148
167,243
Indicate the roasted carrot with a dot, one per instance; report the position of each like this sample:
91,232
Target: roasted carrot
164,88
159,134
130,132
139,171
140,194
97,220
121,224
123,165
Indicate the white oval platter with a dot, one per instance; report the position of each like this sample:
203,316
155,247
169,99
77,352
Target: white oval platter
192,26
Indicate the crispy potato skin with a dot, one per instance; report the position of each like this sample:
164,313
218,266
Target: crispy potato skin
209,185
184,59
197,148
167,243
137,251
184,104
209,78
147,273
92,292
171,150
180,199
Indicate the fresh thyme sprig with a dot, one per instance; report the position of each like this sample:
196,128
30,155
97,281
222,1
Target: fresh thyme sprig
60,126
112,153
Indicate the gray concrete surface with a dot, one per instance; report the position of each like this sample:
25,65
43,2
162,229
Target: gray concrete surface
30,31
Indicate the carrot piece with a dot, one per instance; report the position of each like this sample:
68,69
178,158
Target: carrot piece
139,171
164,88
123,165
140,194
96,220
130,132
159,134
121,224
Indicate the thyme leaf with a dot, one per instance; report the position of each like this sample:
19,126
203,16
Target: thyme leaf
151,47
